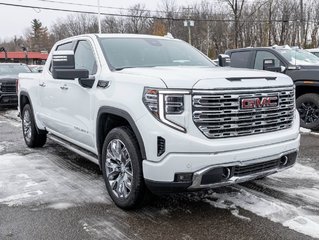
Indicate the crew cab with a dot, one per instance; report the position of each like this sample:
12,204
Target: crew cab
299,64
8,76
159,116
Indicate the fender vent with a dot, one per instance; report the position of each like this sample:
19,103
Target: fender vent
160,146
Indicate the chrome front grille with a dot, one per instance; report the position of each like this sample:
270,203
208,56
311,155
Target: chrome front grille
218,113
8,87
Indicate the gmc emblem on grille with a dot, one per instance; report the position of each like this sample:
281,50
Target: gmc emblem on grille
259,102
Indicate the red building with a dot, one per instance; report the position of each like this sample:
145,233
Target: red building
31,58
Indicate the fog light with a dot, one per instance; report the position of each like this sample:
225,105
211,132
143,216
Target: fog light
183,177
284,161
226,173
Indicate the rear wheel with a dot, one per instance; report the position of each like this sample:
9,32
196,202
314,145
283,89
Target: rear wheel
32,136
122,168
308,108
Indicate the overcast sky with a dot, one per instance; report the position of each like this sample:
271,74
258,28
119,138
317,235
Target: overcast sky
15,20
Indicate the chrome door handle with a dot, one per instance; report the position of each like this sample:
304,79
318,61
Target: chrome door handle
42,84
64,87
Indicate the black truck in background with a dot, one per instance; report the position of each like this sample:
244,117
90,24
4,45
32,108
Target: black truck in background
300,65
8,76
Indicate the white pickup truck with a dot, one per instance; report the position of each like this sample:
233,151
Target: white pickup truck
157,115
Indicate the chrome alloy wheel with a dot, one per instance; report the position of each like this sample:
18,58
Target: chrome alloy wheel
119,170
27,130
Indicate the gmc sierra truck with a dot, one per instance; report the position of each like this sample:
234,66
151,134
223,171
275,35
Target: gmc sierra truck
299,64
8,77
158,116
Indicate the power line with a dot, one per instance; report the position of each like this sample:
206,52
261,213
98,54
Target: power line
115,8
139,16
105,7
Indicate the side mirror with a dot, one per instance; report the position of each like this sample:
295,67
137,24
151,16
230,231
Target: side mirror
282,69
269,65
63,66
223,60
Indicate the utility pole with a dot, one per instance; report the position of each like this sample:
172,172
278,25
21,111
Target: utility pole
269,22
2,49
208,37
25,50
99,16
301,24
189,23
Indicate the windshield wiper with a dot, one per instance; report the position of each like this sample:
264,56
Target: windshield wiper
121,68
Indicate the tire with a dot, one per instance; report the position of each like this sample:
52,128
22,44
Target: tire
122,169
33,137
308,108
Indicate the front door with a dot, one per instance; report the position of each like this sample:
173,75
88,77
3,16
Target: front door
78,101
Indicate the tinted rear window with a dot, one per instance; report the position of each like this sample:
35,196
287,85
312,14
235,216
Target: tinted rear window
241,59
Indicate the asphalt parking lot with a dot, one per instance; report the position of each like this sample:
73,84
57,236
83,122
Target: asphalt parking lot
52,193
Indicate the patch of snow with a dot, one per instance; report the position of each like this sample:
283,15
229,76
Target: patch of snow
14,200
164,211
223,204
12,114
298,171
304,130
314,133
268,207
304,225
110,227
35,179
61,206
235,212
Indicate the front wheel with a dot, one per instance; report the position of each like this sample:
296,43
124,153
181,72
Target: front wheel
308,108
32,136
122,168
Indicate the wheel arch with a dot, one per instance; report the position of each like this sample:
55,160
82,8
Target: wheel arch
109,118
304,87
24,99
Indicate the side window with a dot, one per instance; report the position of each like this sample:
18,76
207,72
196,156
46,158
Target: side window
65,46
261,55
84,57
241,59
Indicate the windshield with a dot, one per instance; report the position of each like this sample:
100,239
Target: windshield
13,69
299,56
150,52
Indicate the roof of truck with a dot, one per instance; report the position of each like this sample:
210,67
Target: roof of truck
261,48
122,35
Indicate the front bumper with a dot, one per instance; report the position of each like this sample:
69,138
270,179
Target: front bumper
8,99
161,176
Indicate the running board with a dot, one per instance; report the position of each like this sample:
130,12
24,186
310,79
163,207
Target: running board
82,152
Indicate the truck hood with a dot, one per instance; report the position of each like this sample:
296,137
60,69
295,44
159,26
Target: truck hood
211,78
6,79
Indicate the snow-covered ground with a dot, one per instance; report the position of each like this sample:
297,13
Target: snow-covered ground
43,179
303,218
34,179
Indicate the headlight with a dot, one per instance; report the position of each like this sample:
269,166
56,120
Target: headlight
162,102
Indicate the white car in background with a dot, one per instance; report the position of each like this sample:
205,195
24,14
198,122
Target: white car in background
314,51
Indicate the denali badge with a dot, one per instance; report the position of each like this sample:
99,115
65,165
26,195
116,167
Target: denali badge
259,102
